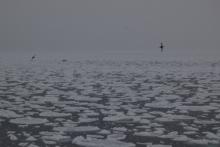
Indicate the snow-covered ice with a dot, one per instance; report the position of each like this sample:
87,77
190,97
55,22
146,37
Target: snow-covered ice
8,114
54,114
83,129
28,121
100,143
110,104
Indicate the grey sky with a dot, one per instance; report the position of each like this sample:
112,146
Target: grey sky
188,27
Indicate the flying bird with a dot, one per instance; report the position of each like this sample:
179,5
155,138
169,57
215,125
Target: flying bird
33,57
161,46
64,60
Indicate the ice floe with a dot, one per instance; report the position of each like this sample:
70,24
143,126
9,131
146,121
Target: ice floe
160,105
118,136
151,104
197,108
100,143
217,116
12,137
158,145
31,139
57,138
83,129
54,114
8,114
28,121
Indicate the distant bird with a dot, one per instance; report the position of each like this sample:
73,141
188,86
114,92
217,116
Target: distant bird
161,46
64,60
33,57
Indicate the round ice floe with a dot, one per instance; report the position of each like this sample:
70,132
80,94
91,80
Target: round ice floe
8,114
87,99
100,143
211,135
31,139
83,129
180,117
28,121
54,114
189,128
48,142
61,129
32,145
118,118
144,121
198,141
90,113
160,105
116,136
41,99
164,120
94,136
146,134
145,115
105,132
181,138
120,129
217,116
12,137
190,132
171,135
206,122
87,120
168,97
57,138
159,145
173,118
71,109
197,108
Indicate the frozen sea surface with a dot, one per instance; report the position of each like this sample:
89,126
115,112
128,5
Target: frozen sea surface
110,104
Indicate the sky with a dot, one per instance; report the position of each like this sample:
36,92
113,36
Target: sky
128,28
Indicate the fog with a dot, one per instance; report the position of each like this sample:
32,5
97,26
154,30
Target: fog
116,28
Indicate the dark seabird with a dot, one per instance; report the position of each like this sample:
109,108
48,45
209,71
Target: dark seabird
161,47
33,57
64,60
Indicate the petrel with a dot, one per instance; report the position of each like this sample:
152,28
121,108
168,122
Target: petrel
33,57
161,46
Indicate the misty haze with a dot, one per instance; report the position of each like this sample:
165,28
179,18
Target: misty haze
116,73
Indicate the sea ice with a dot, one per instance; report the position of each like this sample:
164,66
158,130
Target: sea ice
217,116
100,143
181,138
118,118
160,105
104,132
211,135
116,136
31,139
28,121
83,129
197,108
57,138
54,114
12,137
8,114
146,134
32,145
158,145
198,141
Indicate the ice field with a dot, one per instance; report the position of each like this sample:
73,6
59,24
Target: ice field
110,104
